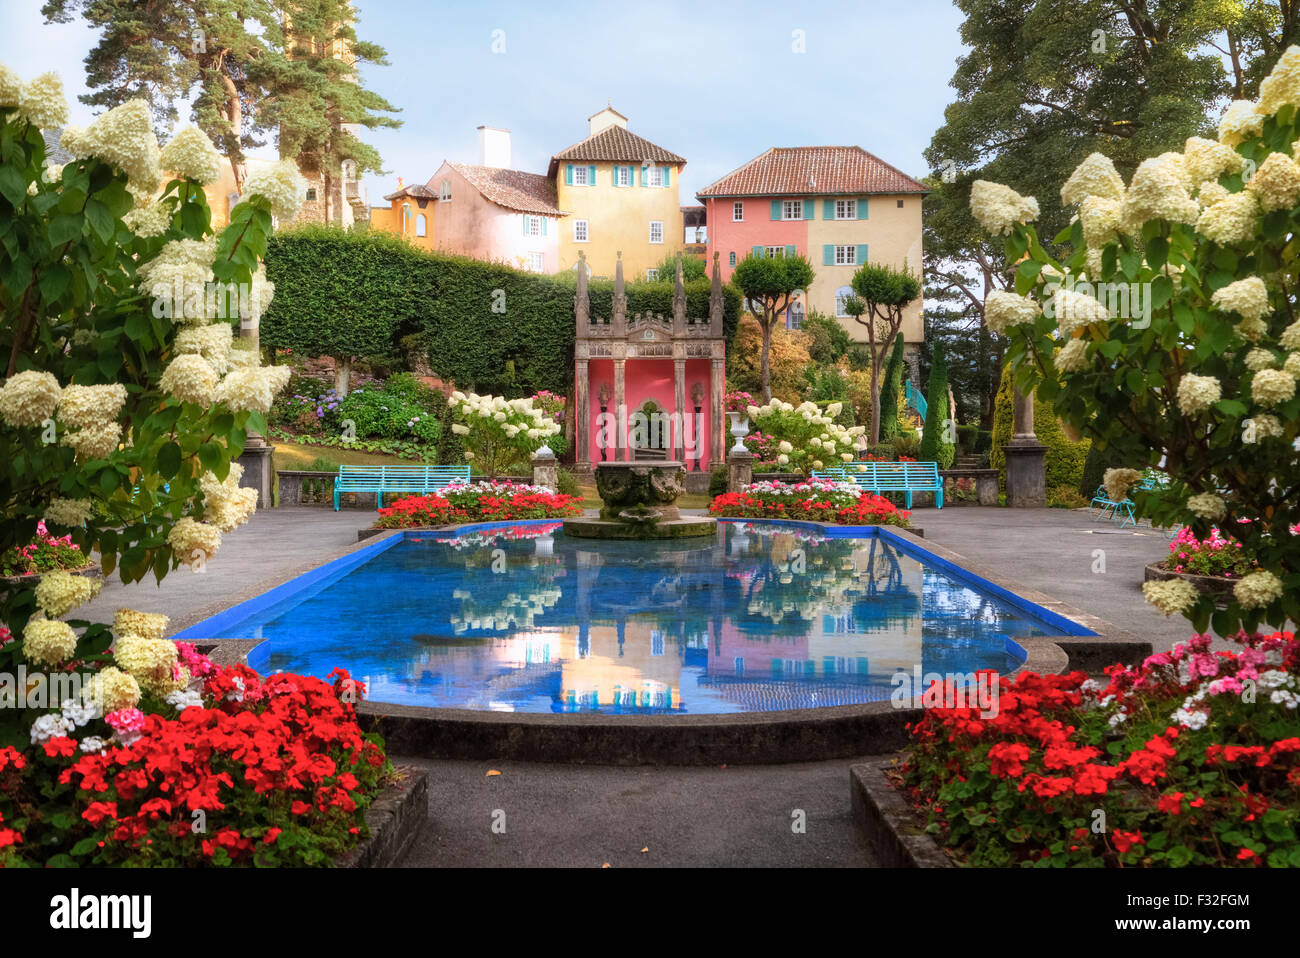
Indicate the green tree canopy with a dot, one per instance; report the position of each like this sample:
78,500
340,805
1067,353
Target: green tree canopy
769,283
881,295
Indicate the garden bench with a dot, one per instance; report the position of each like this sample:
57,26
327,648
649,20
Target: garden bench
407,479
1122,511
882,477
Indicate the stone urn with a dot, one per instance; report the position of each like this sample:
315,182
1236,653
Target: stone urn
739,430
640,492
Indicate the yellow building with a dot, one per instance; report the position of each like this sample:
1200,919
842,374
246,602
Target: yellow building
620,192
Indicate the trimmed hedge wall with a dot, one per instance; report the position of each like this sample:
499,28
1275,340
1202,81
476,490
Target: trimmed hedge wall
486,326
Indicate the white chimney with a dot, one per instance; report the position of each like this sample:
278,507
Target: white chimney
493,147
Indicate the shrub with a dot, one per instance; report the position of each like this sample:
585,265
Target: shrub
828,341
967,439
501,434
935,439
825,384
789,359
820,500
1189,770
798,431
1065,497
566,483
718,481
891,391
388,413
1213,555
45,553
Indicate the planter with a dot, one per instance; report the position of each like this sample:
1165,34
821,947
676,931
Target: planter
1213,585
395,818
11,582
888,823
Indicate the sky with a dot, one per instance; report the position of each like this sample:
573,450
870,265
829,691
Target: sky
717,83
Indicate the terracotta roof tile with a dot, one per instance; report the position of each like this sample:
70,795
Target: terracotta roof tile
416,191
513,189
614,143
813,170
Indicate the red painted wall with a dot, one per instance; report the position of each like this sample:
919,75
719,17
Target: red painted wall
648,379
758,229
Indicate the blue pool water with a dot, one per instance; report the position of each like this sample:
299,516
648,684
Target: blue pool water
758,618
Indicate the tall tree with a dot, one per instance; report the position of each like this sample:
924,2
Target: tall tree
769,283
881,293
938,439
317,98
889,391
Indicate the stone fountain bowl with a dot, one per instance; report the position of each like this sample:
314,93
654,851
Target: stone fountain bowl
639,503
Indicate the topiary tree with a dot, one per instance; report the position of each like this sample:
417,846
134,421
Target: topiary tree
938,439
1003,423
881,295
890,391
769,283
1199,375
123,406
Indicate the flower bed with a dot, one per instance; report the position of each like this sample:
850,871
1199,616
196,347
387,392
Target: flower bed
478,501
821,500
259,771
1192,759
1211,556
45,553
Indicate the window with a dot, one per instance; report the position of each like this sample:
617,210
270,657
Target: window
622,176
846,256
794,315
900,204
846,209
792,209
580,231
445,195
537,262
656,642
533,225
737,212
842,296
420,226
654,176
311,193
580,176
656,231
771,252
652,274
731,259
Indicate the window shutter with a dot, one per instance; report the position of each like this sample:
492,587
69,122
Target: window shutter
776,209
862,253
568,174
810,209
790,251
828,209
591,175
543,225
758,251
862,208
640,176
828,255
668,173
525,218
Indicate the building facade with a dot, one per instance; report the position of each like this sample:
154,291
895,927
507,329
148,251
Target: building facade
839,206
621,194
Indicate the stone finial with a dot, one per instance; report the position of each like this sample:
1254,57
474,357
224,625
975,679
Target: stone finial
679,300
618,322
581,303
715,298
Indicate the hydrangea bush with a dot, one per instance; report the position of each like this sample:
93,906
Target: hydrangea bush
500,432
1168,330
806,436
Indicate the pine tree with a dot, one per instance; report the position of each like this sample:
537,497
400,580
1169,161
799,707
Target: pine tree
889,392
939,439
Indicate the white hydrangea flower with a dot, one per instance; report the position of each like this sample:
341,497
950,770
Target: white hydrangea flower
42,103
1074,310
282,185
253,388
90,406
1270,387
1102,218
1003,309
191,156
1258,359
1073,357
1160,189
190,378
1095,176
11,86
1258,589
213,342
29,398
1231,220
1171,597
189,537
1207,505
1240,121
123,137
148,219
1207,160
999,208
69,513
1196,393
1282,86
1276,184
94,442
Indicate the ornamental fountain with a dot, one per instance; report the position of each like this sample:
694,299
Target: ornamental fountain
639,503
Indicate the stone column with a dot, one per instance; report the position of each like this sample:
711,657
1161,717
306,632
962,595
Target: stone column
546,469
581,418
259,467
679,404
1026,459
620,408
740,470
717,431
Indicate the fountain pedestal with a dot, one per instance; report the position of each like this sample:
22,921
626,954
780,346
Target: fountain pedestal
639,503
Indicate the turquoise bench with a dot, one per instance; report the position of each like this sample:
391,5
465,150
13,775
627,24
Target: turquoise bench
882,477
1122,511
396,479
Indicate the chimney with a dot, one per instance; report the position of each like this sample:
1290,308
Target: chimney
605,118
493,147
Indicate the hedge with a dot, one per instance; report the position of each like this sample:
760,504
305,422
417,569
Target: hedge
486,326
